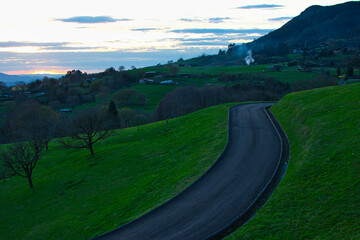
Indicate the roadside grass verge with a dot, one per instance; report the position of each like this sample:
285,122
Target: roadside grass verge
132,172
319,197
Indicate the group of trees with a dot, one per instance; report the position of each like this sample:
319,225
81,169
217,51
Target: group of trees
321,81
184,100
126,117
130,97
30,127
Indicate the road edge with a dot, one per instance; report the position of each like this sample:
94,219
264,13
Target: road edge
104,235
269,188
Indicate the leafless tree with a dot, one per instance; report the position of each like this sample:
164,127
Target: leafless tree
89,127
4,171
21,158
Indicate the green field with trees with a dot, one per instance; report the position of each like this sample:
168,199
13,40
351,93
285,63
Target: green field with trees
77,196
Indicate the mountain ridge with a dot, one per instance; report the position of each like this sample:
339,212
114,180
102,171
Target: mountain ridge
27,78
315,26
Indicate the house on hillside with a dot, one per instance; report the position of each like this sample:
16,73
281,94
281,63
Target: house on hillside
146,81
64,110
19,88
168,82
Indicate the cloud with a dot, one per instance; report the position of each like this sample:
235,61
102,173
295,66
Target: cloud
218,19
222,31
261,6
50,46
145,29
200,43
10,44
211,20
190,19
92,20
68,48
281,19
197,39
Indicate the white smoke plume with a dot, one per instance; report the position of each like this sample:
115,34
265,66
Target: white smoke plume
249,59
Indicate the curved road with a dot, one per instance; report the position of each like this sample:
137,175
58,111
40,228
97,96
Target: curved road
224,192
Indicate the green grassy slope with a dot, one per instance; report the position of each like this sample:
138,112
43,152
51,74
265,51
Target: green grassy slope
154,93
319,197
133,171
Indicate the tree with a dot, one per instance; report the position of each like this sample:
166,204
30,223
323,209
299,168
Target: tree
222,52
126,116
140,119
282,49
88,128
338,71
30,120
126,97
112,109
231,51
95,86
110,71
3,87
350,70
113,115
21,158
173,69
4,171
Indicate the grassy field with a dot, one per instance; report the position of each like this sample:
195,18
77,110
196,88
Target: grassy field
154,93
319,197
133,171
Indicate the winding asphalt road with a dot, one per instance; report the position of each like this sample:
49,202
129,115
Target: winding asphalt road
224,191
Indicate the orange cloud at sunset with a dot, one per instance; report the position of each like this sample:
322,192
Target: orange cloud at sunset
52,71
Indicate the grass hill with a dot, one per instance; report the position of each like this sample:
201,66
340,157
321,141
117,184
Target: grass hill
133,171
316,25
319,197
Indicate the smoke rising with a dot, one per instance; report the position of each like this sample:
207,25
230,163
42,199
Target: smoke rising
249,59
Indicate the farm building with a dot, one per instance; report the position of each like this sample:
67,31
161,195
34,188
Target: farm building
19,87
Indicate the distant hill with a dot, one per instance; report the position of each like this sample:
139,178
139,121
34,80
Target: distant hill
13,79
315,26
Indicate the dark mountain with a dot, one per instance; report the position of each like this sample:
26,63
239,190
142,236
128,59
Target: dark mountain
315,26
13,79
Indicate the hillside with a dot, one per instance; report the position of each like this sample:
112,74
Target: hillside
133,171
317,25
319,197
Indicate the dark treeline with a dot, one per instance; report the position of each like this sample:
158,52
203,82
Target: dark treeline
24,119
21,120
247,87
185,100
321,81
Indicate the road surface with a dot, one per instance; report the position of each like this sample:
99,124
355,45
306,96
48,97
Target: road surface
224,192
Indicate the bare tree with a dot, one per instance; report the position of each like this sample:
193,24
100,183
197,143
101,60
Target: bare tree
89,127
4,171
21,158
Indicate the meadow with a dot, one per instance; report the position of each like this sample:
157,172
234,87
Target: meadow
318,197
76,196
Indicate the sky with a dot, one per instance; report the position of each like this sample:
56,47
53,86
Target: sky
42,36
